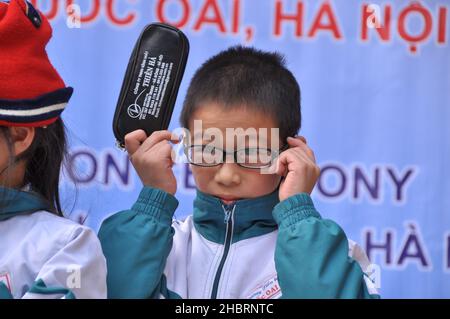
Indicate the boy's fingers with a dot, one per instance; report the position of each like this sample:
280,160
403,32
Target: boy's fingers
163,147
164,150
134,140
279,166
291,160
305,153
175,138
157,137
302,138
300,142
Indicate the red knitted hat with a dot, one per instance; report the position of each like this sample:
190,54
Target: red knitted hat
31,91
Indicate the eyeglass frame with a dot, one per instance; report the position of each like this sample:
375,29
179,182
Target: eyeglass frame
225,153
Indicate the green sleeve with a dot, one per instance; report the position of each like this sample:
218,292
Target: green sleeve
4,292
311,255
136,244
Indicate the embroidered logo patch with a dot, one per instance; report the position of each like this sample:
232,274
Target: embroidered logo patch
269,290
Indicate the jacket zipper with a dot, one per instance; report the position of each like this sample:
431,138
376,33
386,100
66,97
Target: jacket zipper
228,219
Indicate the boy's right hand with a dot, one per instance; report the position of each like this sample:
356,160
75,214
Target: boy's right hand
152,158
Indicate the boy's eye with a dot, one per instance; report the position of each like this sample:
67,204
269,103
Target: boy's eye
208,155
204,154
254,156
209,149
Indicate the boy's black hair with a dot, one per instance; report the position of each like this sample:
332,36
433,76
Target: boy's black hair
246,76
44,160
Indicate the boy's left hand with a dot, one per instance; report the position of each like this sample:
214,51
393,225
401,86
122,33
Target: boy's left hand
298,166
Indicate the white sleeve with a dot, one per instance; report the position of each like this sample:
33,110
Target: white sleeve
77,270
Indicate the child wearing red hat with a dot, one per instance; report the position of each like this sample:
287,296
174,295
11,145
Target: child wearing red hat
42,254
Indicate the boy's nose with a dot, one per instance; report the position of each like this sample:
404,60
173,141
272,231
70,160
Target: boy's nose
228,174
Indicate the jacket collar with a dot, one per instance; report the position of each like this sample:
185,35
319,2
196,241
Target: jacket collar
251,217
16,202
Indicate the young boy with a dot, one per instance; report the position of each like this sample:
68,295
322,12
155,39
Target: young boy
254,232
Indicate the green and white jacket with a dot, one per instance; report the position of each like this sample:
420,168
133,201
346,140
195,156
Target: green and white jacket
254,248
46,256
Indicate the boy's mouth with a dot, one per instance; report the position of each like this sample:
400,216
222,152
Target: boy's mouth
227,200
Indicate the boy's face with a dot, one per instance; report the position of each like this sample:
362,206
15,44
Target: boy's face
229,181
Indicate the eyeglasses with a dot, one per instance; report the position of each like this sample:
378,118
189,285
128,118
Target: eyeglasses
209,156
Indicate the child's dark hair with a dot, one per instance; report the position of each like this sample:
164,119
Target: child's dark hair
246,76
44,159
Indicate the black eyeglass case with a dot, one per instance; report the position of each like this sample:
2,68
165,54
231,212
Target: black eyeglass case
152,79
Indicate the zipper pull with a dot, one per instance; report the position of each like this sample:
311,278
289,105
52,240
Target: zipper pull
227,212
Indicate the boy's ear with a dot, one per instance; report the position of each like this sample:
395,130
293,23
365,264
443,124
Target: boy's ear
21,138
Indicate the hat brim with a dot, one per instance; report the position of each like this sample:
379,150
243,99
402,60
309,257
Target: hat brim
40,111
